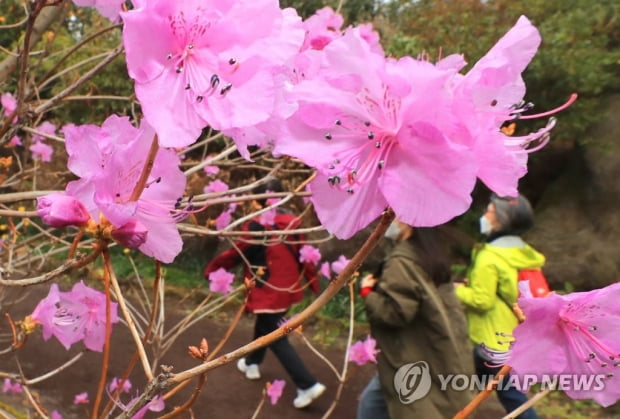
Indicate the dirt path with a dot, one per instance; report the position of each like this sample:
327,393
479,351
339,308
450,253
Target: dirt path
226,395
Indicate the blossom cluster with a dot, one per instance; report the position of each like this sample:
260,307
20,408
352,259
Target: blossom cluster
76,315
406,133
364,351
109,161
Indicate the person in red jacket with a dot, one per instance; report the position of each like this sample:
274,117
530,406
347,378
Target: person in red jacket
277,288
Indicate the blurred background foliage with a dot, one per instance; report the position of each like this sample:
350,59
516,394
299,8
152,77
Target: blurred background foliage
579,52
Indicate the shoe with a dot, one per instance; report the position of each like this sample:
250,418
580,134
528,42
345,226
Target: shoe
251,371
307,396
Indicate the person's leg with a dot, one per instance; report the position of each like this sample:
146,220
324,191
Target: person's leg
509,396
287,355
372,404
261,328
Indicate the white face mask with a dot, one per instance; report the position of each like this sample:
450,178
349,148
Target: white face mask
392,232
485,226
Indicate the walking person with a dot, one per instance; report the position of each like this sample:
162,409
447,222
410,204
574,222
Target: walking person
277,288
491,288
417,322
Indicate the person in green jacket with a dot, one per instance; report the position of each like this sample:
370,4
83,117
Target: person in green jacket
491,287
419,327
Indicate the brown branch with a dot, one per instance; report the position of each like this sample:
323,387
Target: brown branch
108,332
146,171
343,376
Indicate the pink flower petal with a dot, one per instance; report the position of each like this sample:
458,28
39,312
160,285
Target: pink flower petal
274,390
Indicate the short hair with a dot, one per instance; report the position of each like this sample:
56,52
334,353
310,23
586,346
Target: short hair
514,214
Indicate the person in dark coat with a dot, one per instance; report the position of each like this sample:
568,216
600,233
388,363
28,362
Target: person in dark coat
278,287
420,330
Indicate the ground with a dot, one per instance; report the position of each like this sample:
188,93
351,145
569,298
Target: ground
226,394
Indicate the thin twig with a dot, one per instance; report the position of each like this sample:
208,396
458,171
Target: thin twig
260,405
105,362
70,264
55,370
130,323
343,375
146,170
538,396
207,162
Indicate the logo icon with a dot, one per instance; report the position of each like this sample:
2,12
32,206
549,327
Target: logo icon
412,381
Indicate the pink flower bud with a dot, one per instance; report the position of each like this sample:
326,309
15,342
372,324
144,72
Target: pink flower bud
60,210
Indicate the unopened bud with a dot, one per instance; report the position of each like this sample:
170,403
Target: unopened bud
194,352
204,346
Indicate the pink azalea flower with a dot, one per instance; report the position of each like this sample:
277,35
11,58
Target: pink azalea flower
225,217
60,210
10,387
268,217
109,9
322,28
81,398
275,389
309,254
213,61
486,97
339,264
47,128
326,25
265,133
211,170
41,151
9,104
109,160
371,36
378,125
7,386
155,405
15,141
55,415
221,281
363,351
572,334
114,384
216,185
78,315
325,270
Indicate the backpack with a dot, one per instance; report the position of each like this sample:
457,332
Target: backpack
539,287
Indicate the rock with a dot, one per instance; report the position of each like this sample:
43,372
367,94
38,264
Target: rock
578,216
